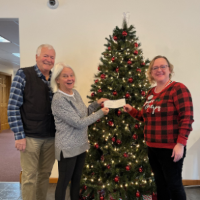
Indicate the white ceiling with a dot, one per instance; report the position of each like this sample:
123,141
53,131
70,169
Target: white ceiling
9,29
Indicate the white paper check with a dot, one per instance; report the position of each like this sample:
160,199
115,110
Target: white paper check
114,103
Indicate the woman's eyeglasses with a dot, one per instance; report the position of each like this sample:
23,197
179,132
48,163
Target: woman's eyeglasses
162,67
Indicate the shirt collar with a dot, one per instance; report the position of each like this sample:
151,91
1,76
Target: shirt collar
69,97
39,73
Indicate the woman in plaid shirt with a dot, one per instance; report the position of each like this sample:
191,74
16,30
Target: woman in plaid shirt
168,116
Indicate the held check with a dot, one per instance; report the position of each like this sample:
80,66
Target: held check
114,103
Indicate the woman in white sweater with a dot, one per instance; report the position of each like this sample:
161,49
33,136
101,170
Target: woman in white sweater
72,118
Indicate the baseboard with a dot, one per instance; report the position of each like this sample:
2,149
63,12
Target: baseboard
53,180
185,182
191,182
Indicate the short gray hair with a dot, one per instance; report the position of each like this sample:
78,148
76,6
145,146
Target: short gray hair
43,45
56,73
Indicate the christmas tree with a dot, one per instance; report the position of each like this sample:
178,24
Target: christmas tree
117,164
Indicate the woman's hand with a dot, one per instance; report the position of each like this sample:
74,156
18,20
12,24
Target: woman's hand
100,101
105,111
127,108
178,152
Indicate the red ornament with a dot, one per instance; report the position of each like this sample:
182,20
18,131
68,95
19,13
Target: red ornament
103,76
127,95
140,169
113,139
98,120
137,126
96,81
124,33
135,136
129,62
109,48
118,141
113,59
143,93
115,93
116,179
130,80
154,196
92,173
119,112
117,70
125,155
135,44
101,198
102,105
102,158
96,146
85,187
137,194
128,167
108,166
110,123
143,64
99,68
100,90
138,70
115,38
135,52
92,94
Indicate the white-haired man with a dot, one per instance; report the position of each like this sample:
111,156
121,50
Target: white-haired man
31,120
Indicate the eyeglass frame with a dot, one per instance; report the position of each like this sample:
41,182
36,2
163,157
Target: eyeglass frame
161,67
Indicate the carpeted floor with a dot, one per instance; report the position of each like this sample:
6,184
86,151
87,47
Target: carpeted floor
9,158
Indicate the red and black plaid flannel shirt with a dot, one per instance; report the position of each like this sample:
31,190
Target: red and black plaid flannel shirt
167,116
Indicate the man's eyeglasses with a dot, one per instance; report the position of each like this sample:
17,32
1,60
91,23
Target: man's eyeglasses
163,67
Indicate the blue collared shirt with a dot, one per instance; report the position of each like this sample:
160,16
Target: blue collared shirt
16,101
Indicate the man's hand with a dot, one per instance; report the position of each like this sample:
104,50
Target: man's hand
178,152
20,144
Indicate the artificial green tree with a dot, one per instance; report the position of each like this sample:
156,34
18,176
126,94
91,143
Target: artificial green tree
117,164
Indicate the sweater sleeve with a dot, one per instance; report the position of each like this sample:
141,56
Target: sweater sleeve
93,107
183,103
136,114
62,109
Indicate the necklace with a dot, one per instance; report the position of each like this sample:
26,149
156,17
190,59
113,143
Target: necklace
168,82
153,99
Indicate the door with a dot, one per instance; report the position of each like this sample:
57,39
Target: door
5,83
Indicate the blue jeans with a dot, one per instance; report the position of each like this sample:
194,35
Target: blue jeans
167,174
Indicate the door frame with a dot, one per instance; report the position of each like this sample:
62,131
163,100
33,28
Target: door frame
10,77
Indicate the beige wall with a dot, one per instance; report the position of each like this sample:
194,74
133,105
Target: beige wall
6,69
77,29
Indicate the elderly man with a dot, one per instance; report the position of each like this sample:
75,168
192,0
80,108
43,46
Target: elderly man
31,120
